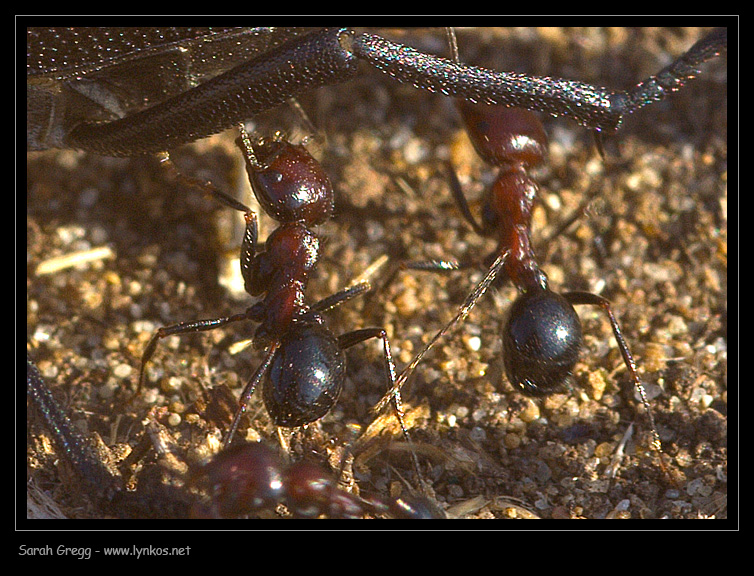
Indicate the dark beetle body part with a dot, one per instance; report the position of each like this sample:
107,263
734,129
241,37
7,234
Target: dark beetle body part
590,106
101,478
587,104
317,59
220,103
78,75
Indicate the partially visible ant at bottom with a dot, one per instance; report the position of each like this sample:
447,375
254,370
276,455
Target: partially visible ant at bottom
248,477
241,480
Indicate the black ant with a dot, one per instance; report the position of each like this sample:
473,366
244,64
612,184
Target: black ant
304,361
249,477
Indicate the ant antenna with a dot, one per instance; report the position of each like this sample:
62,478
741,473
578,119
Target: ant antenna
463,312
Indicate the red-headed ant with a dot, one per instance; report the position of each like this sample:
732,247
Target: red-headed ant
542,333
303,368
248,477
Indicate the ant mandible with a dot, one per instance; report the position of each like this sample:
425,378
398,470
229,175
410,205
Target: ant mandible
542,334
304,361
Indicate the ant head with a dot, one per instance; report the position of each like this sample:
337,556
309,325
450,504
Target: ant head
541,342
504,136
288,182
243,478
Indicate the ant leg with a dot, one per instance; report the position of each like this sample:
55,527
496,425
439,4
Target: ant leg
102,479
460,198
357,336
463,206
181,328
595,300
352,338
434,265
207,187
248,391
251,232
463,312
338,298
220,196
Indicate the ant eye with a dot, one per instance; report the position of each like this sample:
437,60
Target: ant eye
541,342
